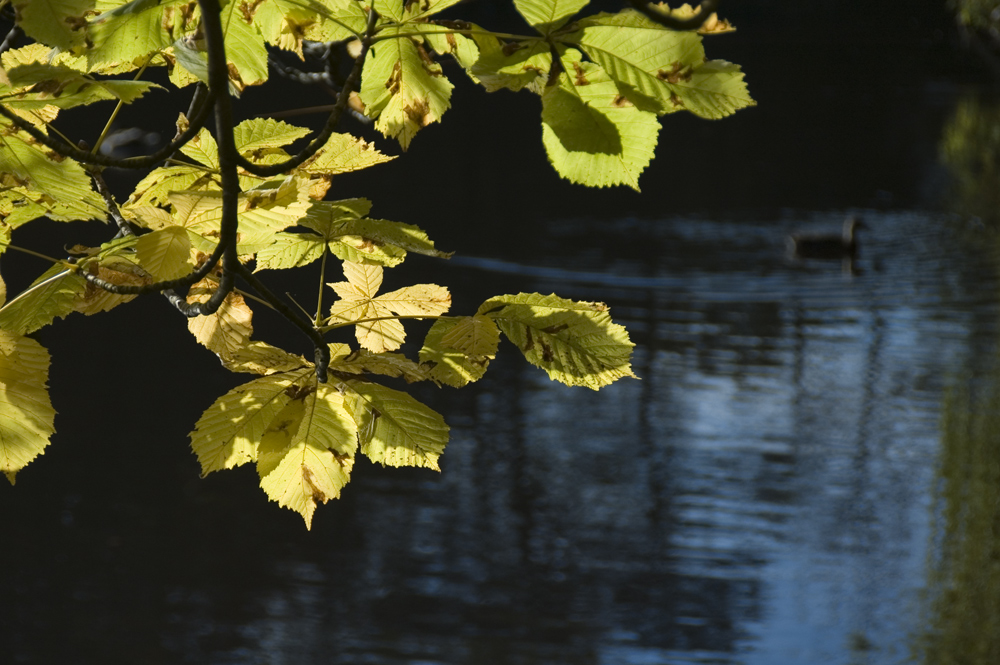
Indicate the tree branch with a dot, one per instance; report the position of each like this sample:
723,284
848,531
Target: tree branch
86,157
707,8
322,350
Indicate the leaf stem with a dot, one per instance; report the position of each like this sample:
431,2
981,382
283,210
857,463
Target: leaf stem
41,256
322,283
335,326
118,107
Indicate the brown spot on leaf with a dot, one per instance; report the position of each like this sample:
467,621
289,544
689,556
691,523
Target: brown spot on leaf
450,38
552,330
75,23
529,343
675,100
393,82
581,79
419,113
429,64
510,48
547,354
621,101
677,73
310,480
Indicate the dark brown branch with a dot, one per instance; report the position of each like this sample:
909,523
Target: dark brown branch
322,350
102,188
86,157
189,279
707,8
331,122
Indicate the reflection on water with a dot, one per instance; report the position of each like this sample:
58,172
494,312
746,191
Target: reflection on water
763,495
964,613
970,148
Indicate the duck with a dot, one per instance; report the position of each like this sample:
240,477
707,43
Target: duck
827,245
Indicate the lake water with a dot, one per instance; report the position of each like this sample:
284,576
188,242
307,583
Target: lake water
806,471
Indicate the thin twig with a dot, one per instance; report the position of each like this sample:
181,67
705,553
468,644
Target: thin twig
109,200
86,157
322,350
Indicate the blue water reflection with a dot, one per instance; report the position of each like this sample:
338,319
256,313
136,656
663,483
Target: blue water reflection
762,495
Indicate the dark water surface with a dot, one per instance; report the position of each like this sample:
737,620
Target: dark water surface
806,472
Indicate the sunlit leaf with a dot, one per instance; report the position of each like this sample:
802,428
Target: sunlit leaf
58,23
403,88
513,66
306,454
228,433
226,331
26,414
661,70
138,28
458,350
343,153
262,358
156,187
394,428
395,365
256,135
60,185
52,295
423,9
38,85
262,212
576,343
380,331
713,25
245,48
548,15
166,253
287,23
462,48
593,135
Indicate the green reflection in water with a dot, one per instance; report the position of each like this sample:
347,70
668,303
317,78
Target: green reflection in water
970,148
980,14
964,621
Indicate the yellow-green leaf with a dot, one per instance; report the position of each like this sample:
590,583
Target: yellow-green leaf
402,88
138,28
592,134
548,15
306,454
262,358
661,70
58,23
395,365
262,211
51,295
394,428
245,48
166,253
226,331
26,414
228,433
458,350
40,84
62,186
576,343
287,23
380,331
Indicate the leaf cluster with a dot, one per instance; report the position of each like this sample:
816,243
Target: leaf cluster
231,204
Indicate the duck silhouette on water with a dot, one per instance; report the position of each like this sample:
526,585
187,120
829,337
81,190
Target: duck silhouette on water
827,245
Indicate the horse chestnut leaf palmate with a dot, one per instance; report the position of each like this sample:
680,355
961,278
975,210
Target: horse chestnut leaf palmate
217,208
